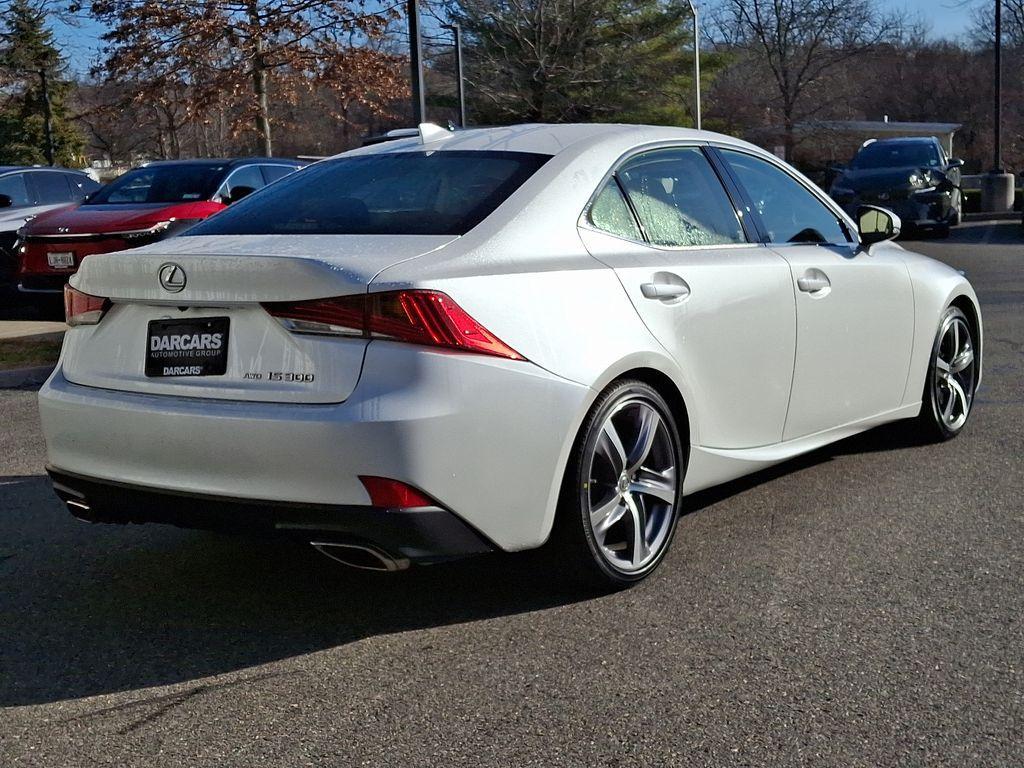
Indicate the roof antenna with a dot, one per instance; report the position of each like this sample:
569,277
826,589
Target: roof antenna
432,132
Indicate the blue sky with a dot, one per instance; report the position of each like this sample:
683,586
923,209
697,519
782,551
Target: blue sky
946,18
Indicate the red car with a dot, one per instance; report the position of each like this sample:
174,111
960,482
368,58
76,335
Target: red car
142,206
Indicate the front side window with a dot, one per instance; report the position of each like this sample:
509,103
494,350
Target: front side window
679,199
272,173
246,176
51,187
81,185
610,213
396,193
177,183
789,211
13,185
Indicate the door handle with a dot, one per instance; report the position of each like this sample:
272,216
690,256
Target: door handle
813,281
665,291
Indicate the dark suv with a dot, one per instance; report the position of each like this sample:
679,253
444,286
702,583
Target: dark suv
914,178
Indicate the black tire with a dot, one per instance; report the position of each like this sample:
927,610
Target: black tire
941,231
933,422
573,545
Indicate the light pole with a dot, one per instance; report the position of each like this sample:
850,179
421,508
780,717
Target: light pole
696,63
419,104
457,31
997,167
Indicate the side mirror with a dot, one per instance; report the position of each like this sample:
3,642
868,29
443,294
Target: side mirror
6,201
237,193
955,162
875,225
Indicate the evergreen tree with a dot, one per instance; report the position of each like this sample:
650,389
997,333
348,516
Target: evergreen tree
578,60
35,126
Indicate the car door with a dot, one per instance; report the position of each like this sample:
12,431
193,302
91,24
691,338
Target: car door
721,305
855,307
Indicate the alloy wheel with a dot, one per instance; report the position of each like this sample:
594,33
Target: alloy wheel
632,487
954,377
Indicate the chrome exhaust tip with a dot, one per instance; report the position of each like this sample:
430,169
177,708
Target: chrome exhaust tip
360,556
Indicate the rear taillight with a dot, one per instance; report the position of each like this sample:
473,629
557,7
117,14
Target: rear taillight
82,308
416,317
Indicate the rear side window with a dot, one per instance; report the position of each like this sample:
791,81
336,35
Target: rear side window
611,214
399,193
679,199
51,188
14,187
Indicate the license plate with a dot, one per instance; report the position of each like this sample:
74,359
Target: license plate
61,259
194,347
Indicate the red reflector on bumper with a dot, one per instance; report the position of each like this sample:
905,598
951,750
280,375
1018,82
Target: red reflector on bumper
392,494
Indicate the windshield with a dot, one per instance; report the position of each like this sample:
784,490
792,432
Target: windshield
401,193
161,184
902,155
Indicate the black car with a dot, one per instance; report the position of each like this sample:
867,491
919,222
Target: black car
912,177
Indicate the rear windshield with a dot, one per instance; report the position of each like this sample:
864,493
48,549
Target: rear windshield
400,193
881,155
162,184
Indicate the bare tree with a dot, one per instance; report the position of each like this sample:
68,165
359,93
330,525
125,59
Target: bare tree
251,53
801,44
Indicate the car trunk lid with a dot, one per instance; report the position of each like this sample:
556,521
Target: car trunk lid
216,285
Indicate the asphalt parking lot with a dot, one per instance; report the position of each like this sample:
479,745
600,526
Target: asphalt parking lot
862,606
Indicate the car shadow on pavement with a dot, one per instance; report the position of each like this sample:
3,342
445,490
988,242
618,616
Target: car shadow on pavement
93,609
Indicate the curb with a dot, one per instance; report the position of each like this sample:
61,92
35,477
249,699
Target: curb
1008,216
20,378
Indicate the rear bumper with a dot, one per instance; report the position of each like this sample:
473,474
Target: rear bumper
487,438
424,535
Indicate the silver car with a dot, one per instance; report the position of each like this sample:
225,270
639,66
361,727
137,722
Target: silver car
26,192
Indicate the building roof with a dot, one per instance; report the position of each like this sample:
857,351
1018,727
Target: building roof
882,126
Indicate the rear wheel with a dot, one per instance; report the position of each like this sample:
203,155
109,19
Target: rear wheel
952,378
622,490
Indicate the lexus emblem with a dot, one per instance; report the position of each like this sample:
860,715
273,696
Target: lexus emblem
172,277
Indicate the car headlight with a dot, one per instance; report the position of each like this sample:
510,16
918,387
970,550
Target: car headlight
921,183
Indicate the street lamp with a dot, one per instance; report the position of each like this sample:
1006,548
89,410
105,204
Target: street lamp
696,63
419,104
457,31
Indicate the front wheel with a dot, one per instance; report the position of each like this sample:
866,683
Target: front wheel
622,490
952,377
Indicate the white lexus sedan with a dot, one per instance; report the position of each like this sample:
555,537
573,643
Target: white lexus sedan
497,339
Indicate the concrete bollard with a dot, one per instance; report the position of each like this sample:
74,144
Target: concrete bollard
997,192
